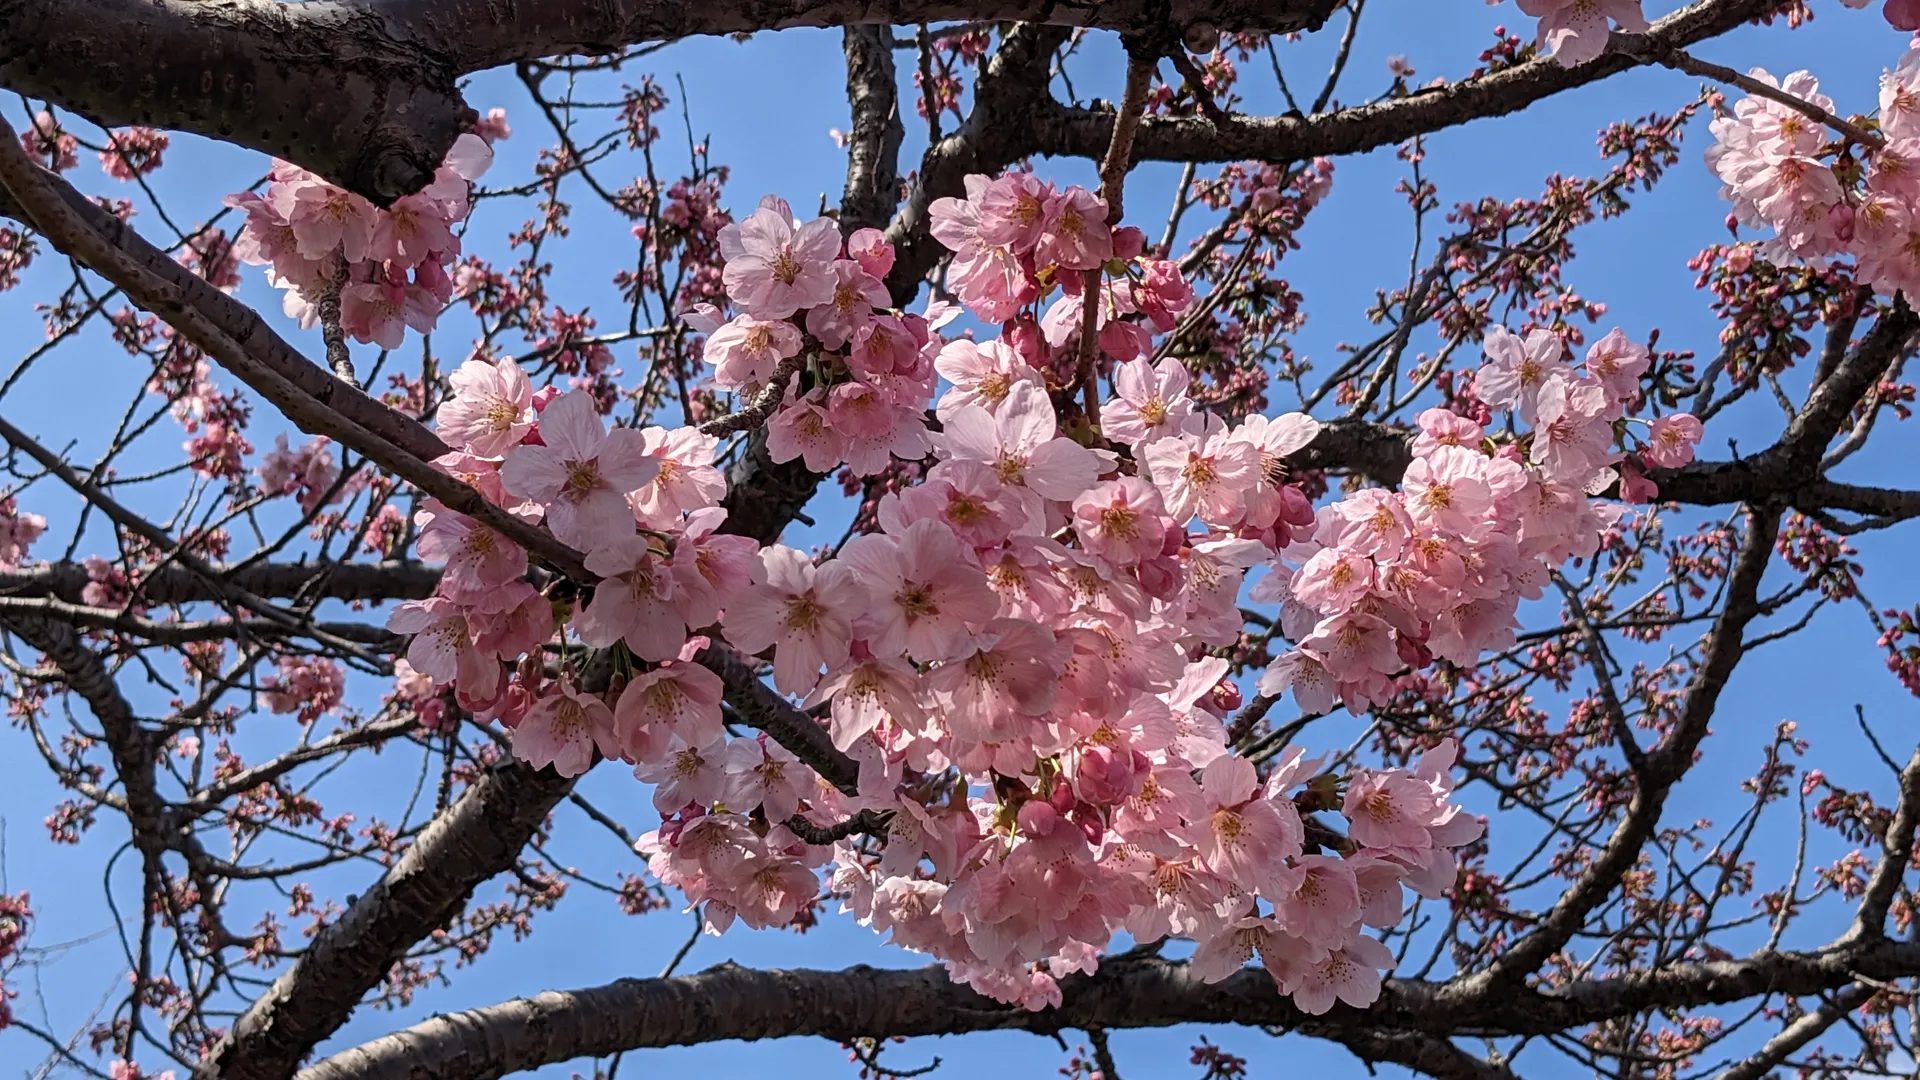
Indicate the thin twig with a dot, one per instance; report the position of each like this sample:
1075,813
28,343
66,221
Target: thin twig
1113,175
1680,60
338,357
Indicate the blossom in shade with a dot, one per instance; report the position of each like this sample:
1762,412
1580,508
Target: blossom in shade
563,729
688,773
676,698
1350,974
478,559
803,429
633,601
442,647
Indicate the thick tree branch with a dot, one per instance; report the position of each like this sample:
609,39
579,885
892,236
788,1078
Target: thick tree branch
873,146
1063,129
731,1002
176,585
1010,92
1808,1027
363,91
761,707
479,836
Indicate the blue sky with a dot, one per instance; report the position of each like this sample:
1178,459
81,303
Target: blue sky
767,107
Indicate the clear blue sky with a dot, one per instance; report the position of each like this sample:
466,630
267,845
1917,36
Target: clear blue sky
768,106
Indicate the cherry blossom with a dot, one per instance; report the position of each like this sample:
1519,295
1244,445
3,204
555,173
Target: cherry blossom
491,410
582,472
776,266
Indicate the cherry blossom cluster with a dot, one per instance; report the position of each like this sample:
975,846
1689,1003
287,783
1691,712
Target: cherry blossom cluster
1783,172
1015,238
387,267
18,530
1389,580
808,302
1014,659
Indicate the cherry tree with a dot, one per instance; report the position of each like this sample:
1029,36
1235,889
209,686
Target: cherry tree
1057,716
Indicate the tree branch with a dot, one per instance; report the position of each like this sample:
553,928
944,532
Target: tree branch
730,1002
364,93
479,836
1063,129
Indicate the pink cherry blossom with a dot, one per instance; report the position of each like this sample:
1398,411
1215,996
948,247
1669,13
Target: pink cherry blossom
1572,435
709,568
1149,403
1304,674
1010,672
1575,31
676,698
633,602
1122,521
981,374
1671,439
1441,427
923,596
326,219
686,480
745,351
1245,837
1324,908
803,611
491,409
870,249
478,559
776,267
987,277
803,429
1074,234
1210,477
1517,369
1618,362
563,729
442,647
1448,489
856,292
1350,974
582,474
689,774
760,773
1013,211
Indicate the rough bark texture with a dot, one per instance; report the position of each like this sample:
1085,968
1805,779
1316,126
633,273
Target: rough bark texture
364,93
1060,129
479,836
730,1002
